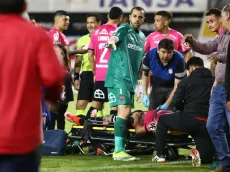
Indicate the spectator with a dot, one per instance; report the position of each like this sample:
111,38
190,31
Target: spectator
213,19
25,69
218,113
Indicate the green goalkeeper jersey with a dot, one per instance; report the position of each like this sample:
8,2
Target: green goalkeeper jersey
124,63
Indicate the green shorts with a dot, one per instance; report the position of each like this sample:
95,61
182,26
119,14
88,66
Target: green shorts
118,96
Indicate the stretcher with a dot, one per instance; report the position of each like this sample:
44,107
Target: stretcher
97,138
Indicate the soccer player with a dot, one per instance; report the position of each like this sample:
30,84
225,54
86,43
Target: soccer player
99,64
122,75
162,20
143,122
213,19
168,69
84,83
61,23
28,62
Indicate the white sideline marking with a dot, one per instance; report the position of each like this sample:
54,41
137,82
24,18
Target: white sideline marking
133,165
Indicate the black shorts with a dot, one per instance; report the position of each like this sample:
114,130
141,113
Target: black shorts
100,93
86,86
158,96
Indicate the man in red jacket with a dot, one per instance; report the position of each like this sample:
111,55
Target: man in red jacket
27,62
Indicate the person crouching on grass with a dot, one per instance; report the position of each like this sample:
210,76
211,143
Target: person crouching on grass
67,92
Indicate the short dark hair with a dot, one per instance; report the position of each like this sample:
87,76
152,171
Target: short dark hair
12,6
61,13
96,15
115,13
137,8
165,14
195,61
215,11
166,43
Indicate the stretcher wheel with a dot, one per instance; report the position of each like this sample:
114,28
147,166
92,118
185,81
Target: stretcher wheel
172,154
92,150
72,147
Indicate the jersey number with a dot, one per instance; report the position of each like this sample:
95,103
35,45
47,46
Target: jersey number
102,60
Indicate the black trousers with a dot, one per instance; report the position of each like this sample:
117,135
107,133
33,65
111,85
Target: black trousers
189,124
59,117
158,96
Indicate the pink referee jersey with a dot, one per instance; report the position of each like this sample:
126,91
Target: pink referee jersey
58,37
154,38
98,39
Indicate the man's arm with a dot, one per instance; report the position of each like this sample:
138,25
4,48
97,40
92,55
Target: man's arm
185,50
180,73
202,48
187,55
139,129
117,37
77,51
145,73
178,98
77,69
92,60
145,82
169,100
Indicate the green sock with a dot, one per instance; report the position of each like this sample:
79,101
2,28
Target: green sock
80,112
120,129
100,113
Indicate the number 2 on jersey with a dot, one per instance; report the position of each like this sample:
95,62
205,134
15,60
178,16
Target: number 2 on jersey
102,60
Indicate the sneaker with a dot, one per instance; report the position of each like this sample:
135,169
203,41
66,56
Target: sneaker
214,165
158,158
221,168
74,119
123,156
196,161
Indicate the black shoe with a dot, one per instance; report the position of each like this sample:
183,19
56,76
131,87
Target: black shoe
221,168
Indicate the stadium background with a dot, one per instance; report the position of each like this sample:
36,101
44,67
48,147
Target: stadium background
188,17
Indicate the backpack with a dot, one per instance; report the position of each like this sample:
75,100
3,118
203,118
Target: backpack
54,142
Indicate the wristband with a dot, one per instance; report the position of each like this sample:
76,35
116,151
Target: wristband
76,76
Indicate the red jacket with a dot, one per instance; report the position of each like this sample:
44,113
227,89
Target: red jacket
27,62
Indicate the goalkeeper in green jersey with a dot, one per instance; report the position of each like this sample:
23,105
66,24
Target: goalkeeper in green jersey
122,75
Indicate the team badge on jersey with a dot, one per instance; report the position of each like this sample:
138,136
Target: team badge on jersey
98,94
170,71
112,98
56,38
122,97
